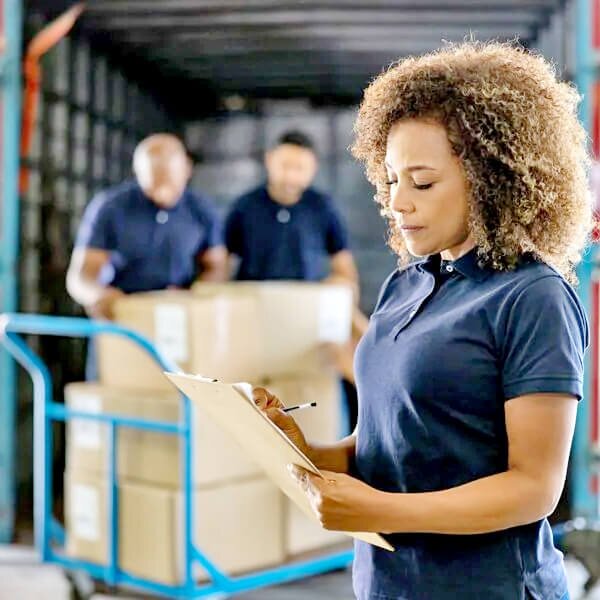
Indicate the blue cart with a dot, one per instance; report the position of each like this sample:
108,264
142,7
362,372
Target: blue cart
49,534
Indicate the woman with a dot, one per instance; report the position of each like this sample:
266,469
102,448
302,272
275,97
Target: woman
471,368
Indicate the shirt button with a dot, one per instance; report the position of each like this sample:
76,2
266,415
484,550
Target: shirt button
162,216
283,216
449,268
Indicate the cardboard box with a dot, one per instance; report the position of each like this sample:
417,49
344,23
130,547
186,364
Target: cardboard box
295,318
144,456
216,336
86,506
238,526
232,331
304,535
324,423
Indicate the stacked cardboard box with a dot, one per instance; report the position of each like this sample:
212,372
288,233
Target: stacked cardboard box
239,513
268,334
146,456
217,336
238,526
293,319
234,332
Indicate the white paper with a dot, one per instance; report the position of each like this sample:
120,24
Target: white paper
84,432
335,316
85,511
245,389
171,332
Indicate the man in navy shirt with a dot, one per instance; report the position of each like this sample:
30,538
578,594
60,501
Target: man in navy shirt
151,233
286,229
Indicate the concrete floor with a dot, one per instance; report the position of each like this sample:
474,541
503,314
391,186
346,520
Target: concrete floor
23,578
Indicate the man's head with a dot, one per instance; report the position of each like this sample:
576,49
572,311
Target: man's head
162,168
291,166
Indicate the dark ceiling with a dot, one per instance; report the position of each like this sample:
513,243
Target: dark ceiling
308,48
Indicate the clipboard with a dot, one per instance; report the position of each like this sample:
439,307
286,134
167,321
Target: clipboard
231,406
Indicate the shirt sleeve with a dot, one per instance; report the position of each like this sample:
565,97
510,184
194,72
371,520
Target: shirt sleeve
234,231
97,226
337,234
545,337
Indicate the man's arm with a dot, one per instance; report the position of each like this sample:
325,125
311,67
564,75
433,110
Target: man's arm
214,265
343,270
82,282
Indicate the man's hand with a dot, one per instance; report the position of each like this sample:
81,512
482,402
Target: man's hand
103,307
214,264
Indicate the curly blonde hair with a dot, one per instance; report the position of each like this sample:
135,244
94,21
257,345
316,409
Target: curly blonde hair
514,128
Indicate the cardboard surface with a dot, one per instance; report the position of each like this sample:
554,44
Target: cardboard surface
303,534
238,526
145,456
294,319
217,335
323,423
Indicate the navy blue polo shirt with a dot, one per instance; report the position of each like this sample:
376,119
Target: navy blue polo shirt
150,248
447,346
284,242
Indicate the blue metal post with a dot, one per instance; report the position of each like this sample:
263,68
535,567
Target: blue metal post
188,508
42,453
582,499
10,103
112,526
191,553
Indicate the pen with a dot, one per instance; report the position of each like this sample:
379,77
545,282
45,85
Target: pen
299,406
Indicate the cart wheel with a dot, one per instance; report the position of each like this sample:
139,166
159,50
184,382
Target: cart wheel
83,586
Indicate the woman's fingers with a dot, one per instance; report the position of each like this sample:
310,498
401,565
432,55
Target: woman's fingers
264,399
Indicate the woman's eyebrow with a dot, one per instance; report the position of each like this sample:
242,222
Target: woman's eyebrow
413,168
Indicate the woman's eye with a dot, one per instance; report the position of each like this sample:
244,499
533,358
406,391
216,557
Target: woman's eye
422,186
391,182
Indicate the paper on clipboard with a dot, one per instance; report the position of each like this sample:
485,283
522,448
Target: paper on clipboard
260,439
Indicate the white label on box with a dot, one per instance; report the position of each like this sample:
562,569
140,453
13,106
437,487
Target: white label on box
86,433
335,316
171,332
85,512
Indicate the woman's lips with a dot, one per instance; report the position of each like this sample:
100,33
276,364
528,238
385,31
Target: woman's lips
410,229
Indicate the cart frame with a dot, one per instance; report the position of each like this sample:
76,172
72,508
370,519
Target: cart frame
49,533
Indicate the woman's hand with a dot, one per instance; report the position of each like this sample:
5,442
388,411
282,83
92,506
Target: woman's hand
341,502
272,407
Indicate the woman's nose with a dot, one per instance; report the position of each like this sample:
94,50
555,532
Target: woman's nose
399,202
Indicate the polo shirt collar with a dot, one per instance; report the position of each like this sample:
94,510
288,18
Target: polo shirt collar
467,265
